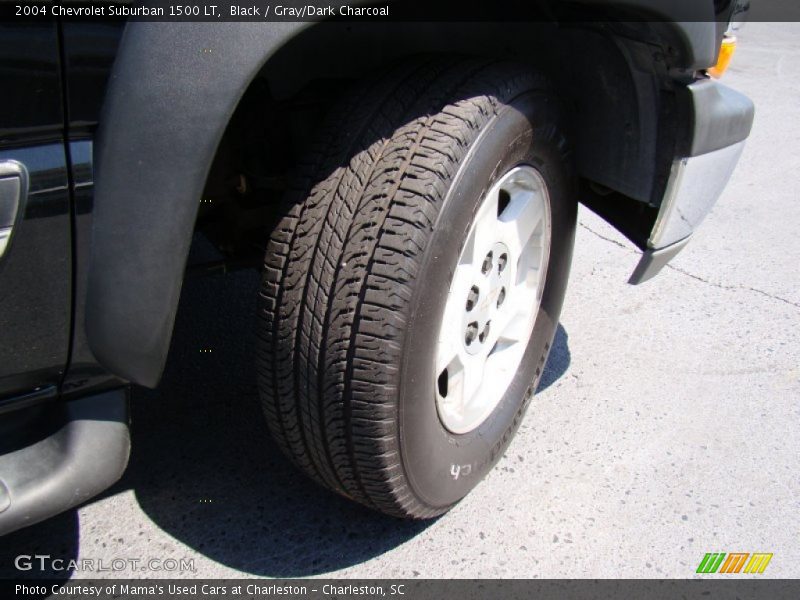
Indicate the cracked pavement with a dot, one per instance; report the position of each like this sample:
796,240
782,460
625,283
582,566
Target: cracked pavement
666,425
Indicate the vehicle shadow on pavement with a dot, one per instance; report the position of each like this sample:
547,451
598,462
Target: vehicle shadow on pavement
558,361
205,471
56,537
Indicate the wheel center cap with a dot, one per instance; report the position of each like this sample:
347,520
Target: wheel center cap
491,280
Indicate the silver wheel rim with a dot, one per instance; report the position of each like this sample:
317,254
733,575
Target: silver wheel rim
493,300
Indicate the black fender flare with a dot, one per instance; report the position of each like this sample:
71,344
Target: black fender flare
172,91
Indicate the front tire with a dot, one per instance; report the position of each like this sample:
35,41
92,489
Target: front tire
359,270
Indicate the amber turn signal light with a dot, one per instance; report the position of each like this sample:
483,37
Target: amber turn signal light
726,51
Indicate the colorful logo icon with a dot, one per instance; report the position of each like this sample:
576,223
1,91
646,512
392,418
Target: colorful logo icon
735,562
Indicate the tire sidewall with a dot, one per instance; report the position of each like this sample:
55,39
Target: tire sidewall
442,467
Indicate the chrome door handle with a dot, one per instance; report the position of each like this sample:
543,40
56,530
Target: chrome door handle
13,189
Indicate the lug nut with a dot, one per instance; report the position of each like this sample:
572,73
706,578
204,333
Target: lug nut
485,333
487,264
501,297
472,332
472,297
501,262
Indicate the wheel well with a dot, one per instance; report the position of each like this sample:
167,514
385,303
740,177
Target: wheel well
613,81
170,112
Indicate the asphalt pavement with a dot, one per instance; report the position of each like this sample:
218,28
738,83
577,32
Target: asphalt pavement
667,424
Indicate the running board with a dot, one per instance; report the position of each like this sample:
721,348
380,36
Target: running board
88,453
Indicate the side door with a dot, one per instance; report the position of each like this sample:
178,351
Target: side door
35,219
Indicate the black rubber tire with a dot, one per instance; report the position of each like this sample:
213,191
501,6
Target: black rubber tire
357,272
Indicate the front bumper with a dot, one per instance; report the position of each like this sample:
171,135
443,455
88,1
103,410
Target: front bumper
721,121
